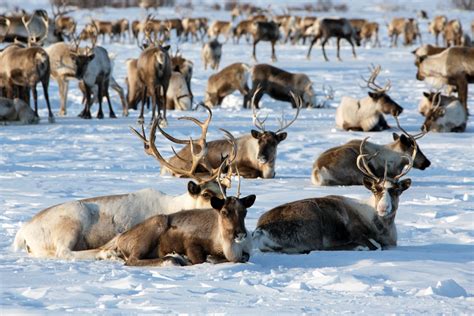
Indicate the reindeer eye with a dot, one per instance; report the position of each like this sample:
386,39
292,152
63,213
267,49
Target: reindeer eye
207,196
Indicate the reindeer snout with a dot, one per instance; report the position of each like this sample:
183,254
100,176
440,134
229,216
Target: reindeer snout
240,237
397,111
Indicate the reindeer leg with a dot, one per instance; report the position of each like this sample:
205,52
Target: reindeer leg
308,55
86,113
154,102
324,51
35,98
45,84
255,42
338,48
461,86
163,106
100,114
353,48
107,96
141,120
274,59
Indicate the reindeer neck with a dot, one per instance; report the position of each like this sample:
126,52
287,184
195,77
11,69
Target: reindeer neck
176,203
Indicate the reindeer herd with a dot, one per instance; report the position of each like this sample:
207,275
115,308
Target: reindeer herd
204,224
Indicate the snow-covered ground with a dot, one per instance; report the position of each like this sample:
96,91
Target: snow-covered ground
431,271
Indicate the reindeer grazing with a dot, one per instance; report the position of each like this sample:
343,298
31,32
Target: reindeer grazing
229,79
25,67
336,222
408,27
366,114
326,28
453,33
443,114
437,26
256,154
16,110
211,54
426,50
220,27
278,84
454,66
71,229
370,30
336,166
154,71
265,31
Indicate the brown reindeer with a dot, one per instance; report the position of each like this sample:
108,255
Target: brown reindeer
370,30
154,70
265,31
453,33
278,84
191,26
336,222
229,79
443,113
326,28
437,26
220,27
120,29
257,151
337,165
244,28
454,66
26,67
104,28
408,27
211,54
357,24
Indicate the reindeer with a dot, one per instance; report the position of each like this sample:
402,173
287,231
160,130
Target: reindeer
278,84
454,66
185,68
426,50
154,70
104,28
244,28
137,27
63,24
256,154
265,31
16,110
191,26
36,29
72,229
220,27
336,222
336,166
211,54
303,28
366,114
26,66
229,79
453,33
443,114
326,28
437,26
357,24
370,30
178,96
120,28
408,27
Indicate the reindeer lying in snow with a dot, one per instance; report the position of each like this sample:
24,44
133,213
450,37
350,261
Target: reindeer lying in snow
336,222
337,165
216,234
70,230
443,113
366,114
16,110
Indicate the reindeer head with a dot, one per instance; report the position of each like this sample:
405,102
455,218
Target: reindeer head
309,96
81,57
379,94
386,191
407,144
268,140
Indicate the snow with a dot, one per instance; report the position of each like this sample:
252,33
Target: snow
431,271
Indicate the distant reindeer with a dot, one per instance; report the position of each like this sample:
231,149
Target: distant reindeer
229,79
105,28
336,222
220,27
184,67
211,54
437,26
426,50
367,114
408,27
443,114
178,96
358,24
72,230
278,84
244,28
454,66
265,31
326,28
337,165
120,29
370,31
257,151
453,33
16,110
191,26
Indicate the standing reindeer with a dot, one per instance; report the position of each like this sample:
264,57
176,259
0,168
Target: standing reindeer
408,27
336,222
366,114
71,229
265,31
337,165
326,28
437,26
211,54
256,154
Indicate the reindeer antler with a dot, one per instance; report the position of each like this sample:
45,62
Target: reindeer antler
283,123
362,164
370,83
259,124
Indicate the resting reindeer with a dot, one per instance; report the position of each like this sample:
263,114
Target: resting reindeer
70,230
443,114
16,110
336,166
256,154
218,233
336,222
366,114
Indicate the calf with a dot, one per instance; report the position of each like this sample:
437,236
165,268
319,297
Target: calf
229,79
16,110
211,54
278,84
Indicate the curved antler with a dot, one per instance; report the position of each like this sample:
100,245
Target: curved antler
362,163
283,123
259,124
370,83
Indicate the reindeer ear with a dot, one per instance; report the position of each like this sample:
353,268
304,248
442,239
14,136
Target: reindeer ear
395,136
248,200
427,94
166,48
193,188
368,183
255,134
282,136
373,95
91,56
217,203
405,141
405,184
413,52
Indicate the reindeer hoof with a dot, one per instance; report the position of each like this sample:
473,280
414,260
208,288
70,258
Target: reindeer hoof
112,115
100,116
51,119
